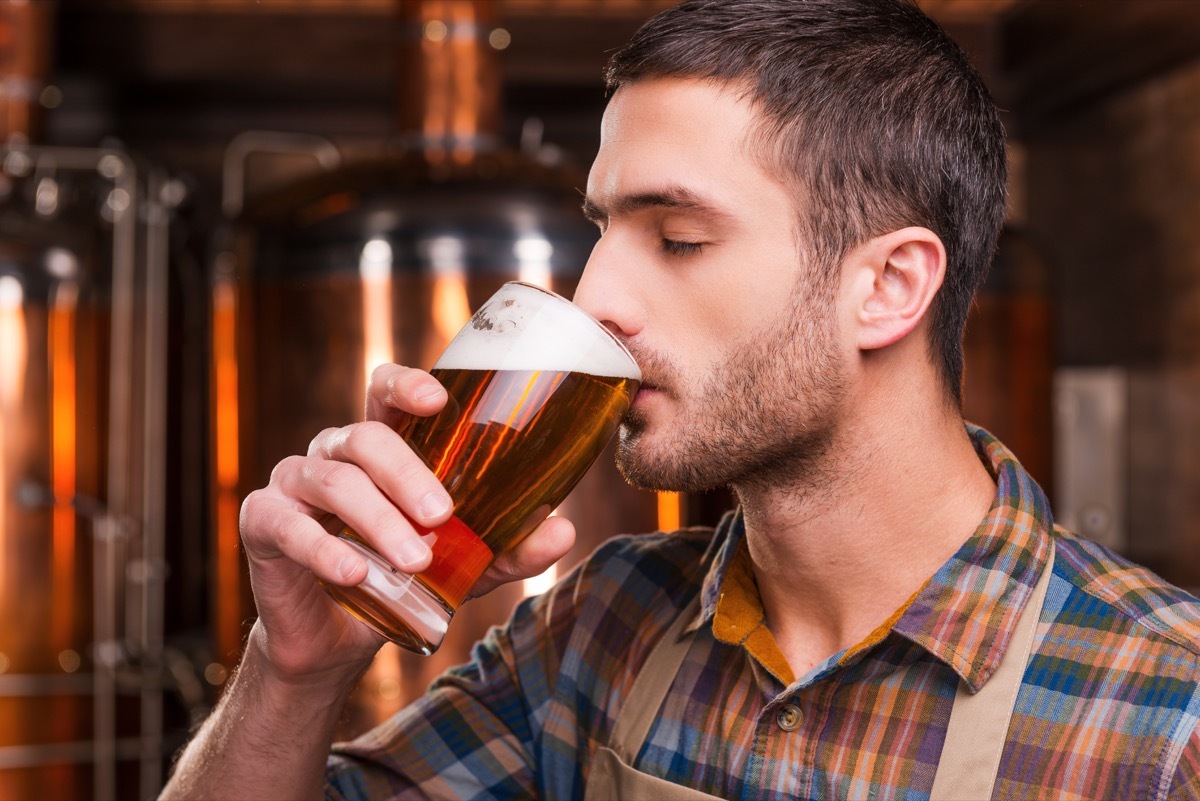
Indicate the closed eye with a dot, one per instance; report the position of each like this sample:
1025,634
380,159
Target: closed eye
674,247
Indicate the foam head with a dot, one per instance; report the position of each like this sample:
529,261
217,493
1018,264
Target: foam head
523,327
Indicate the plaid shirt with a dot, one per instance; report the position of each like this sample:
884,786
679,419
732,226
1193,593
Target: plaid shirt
1108,707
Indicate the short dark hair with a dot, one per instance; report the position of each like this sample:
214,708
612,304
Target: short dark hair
870,111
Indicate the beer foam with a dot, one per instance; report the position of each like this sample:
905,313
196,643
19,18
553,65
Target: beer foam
523,327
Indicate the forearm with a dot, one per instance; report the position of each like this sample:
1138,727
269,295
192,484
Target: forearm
266,739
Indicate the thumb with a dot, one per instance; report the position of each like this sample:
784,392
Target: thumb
548,543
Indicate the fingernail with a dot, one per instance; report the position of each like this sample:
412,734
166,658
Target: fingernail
428,392
411,553
347,566
435,504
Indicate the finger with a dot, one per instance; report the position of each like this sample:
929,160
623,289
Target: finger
394,467
546,545
344,488
273,529
395,390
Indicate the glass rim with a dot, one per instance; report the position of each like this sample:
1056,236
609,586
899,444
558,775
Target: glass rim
578,309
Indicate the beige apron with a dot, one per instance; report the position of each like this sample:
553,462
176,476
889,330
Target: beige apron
970,757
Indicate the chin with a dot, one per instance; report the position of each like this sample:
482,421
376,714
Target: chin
667,469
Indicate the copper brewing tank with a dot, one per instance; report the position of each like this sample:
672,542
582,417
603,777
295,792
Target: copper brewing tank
383,260
81,462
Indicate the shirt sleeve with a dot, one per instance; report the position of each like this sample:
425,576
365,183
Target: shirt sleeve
469,737
1185,784
518,719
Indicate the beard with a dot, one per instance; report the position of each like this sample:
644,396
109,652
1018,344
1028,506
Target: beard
767,414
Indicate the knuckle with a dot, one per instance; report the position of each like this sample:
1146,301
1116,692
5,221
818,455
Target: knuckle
300,539
386,385
335,476
381,520
286,468
287,535
412,479
320,443
361,439
251,512
413,472
381,377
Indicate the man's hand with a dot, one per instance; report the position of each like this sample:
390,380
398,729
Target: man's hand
270,733
366,477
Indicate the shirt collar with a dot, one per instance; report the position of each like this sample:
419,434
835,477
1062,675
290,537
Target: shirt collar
965,614
727,538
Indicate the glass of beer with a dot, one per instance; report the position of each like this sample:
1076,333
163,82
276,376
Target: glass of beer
537,389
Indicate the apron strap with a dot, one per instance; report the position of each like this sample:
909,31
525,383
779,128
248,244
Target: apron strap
975,736
640,709
978,727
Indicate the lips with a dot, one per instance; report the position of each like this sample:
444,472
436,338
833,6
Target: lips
646,390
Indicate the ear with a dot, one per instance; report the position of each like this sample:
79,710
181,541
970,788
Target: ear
896,276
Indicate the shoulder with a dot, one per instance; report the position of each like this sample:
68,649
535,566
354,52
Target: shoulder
578,645
1113,686
1129,596
636,569
1117,668
628,584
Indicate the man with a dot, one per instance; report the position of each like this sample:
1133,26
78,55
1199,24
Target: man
797,199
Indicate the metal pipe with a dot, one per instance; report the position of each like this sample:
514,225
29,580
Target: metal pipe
119,522
28,756
248,143
153,558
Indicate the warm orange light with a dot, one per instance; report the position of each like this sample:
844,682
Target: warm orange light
375,269
465,49
670,511
14,353
226,421
62,321
225,379
436,58
451,309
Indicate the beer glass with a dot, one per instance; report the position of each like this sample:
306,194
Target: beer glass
537,389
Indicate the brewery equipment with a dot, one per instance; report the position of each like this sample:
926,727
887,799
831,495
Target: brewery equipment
82,419
382,259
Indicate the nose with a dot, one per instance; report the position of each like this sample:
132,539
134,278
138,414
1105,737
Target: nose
605,293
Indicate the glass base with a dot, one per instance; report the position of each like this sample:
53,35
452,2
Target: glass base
395,604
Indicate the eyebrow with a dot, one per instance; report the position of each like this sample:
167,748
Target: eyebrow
676,198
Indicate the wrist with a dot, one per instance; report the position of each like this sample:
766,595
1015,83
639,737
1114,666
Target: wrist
283,686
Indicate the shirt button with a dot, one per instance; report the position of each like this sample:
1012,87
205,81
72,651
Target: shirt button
789,717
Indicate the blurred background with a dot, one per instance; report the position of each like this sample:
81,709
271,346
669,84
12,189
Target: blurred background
217,215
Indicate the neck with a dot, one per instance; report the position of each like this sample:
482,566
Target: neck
838,554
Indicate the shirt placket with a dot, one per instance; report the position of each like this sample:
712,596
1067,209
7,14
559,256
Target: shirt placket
782,737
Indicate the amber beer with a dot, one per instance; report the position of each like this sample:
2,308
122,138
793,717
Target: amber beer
537,389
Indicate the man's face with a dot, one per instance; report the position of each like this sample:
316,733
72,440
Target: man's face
698,270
